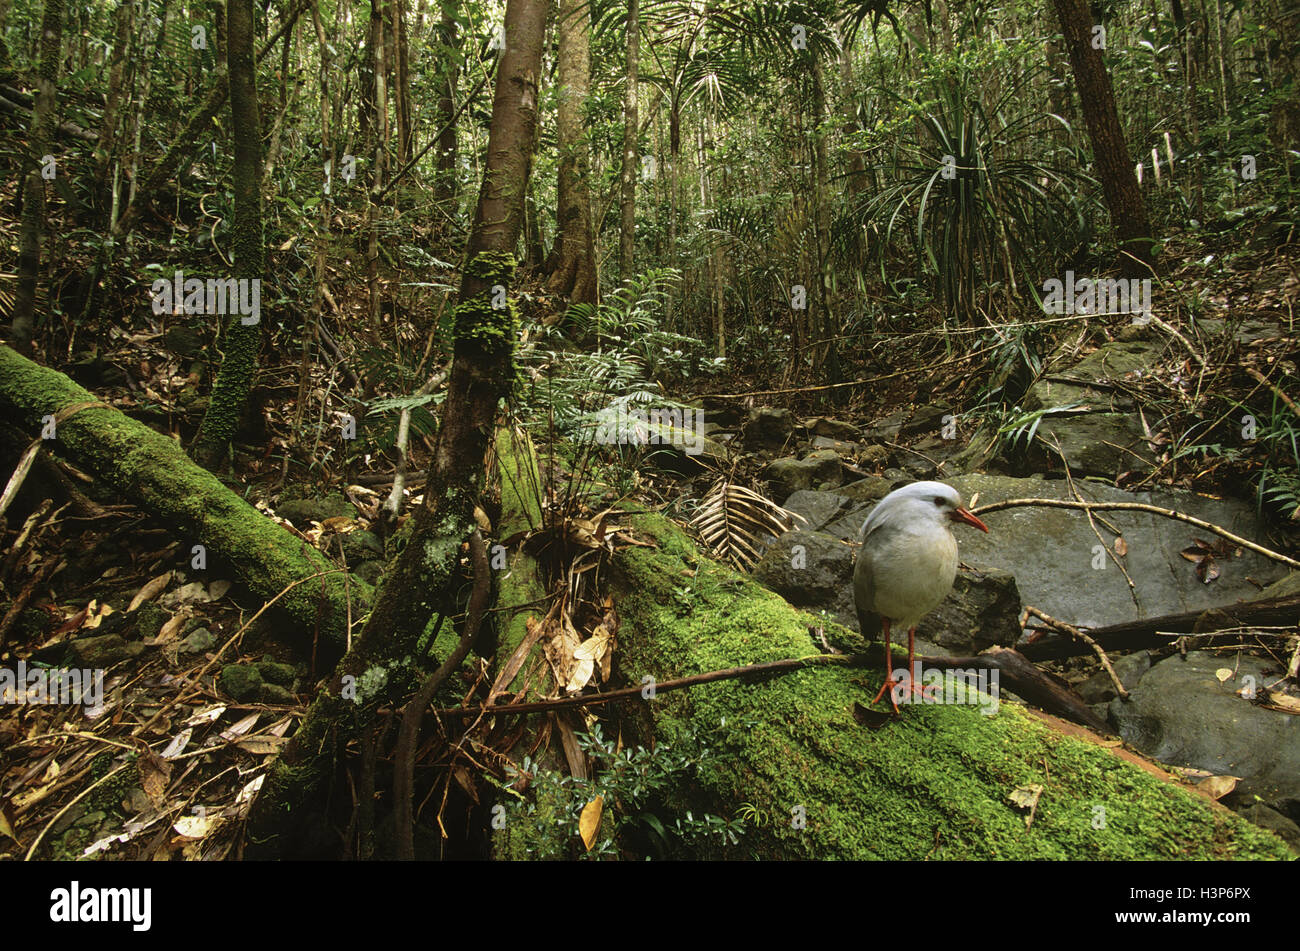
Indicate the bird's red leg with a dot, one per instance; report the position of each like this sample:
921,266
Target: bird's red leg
890,682
914,675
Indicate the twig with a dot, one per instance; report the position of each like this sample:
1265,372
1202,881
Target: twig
1059,625
1141,507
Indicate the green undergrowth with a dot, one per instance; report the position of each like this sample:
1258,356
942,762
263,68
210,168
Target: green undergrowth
935,783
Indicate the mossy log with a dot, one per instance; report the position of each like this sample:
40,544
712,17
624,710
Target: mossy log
788,756
152,471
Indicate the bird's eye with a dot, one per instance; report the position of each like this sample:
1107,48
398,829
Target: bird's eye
938,500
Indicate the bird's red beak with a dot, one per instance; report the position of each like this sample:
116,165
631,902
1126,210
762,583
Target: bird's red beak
963,515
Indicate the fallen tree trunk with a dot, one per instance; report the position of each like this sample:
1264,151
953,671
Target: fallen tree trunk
788,757
152,471
1145,632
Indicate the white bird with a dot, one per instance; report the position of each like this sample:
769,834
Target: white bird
907,564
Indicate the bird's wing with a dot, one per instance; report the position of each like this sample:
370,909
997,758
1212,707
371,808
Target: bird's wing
864,595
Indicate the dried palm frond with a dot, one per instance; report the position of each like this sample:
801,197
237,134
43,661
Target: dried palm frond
731,518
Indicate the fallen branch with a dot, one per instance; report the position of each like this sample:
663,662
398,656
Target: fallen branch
1147,632
1022,677
1141,507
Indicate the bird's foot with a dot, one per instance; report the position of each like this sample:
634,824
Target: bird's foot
905,689
888,688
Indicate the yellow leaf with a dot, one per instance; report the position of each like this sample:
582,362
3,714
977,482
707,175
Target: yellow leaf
1223,673
589,821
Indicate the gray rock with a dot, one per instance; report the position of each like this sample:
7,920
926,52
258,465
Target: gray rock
788,475
1051,551
304,511
810,569
839,445
99,652
819,508
197,641
869,489
1269,818
926,420
1181,714
832,428
983,610
768,427
1099,688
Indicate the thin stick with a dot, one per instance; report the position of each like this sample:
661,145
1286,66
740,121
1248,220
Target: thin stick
1141,507
1059,625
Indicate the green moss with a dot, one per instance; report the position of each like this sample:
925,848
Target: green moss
933,783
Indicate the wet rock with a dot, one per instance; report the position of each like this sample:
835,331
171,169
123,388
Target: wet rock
1180,713
1099,688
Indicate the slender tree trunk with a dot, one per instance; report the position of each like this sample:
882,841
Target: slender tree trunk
379,159
830,329
446,185
242,341
573,271
40,139
106,148
627,231
402,83
1114,165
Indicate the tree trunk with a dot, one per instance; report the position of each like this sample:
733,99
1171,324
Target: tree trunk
40,139
242,341
1115,169
627,230
425,580
106,147
573,272
446,185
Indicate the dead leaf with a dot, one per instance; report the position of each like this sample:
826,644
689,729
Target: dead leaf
1121,546
170,629
151,590
1223,674
1283,703
240,728
178,744
155,772
589,821
261,745
1026,797
1218,786
194,827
